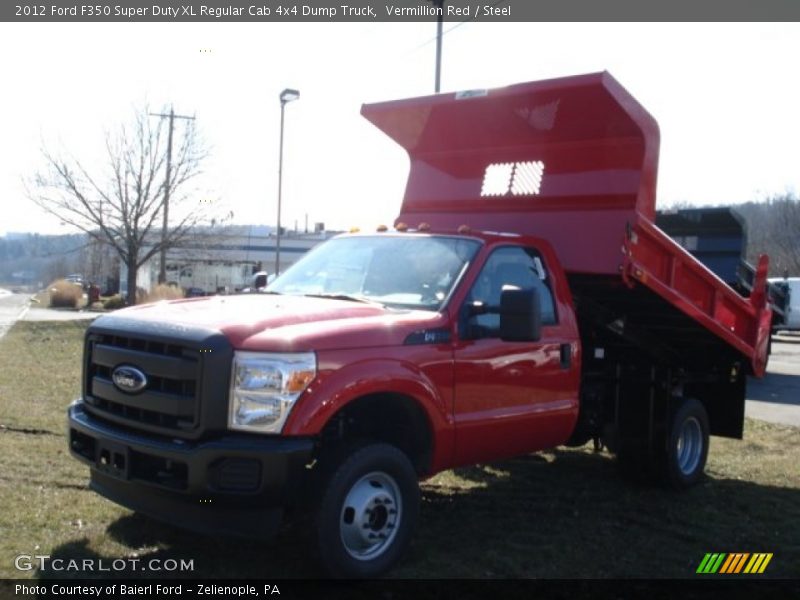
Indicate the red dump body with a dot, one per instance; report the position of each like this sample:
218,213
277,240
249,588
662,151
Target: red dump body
574,161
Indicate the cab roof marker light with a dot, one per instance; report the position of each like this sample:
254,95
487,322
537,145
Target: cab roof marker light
382,228
502,234
401,227
424,226
465,94
464,229
354,230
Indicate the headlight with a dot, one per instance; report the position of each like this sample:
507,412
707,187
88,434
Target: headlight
264,388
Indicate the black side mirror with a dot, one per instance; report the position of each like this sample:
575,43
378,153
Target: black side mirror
520,317
259,280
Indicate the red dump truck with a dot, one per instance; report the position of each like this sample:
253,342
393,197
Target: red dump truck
524,299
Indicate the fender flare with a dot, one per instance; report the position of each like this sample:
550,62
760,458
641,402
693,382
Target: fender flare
336,389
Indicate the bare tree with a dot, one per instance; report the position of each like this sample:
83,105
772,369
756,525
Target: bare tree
785,234
773,227
121,203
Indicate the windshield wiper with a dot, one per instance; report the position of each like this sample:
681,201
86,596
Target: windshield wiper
344,297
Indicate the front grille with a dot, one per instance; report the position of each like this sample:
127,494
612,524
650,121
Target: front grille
168,404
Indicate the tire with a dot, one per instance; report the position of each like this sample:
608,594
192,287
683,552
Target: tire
368,512
686,450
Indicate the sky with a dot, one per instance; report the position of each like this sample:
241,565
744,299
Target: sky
725,97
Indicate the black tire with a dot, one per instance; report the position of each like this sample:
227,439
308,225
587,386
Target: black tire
368,512
686,449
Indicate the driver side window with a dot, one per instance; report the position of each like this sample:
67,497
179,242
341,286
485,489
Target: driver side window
508,267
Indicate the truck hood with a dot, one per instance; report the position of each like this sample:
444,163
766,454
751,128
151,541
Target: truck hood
263,322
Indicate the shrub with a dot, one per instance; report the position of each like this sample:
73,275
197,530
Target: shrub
65,294
114,302
163,292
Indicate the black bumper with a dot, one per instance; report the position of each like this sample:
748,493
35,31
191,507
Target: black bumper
236,484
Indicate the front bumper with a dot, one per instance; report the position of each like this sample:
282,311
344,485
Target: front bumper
236,484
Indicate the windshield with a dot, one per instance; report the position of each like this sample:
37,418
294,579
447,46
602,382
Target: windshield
412,271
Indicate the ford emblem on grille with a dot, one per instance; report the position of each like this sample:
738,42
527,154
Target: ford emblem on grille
129,379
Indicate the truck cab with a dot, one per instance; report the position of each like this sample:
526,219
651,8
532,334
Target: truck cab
442,296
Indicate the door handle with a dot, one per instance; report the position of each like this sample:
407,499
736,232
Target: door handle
566,356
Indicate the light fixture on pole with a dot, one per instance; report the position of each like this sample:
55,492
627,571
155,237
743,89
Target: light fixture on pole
286,96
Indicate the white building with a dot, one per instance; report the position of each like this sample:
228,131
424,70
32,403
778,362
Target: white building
224,262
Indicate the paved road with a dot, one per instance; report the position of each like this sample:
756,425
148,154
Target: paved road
776,397
12,307
15,307
46,314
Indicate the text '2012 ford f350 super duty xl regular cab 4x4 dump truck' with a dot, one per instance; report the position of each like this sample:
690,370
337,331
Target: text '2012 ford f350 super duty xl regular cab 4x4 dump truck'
524,300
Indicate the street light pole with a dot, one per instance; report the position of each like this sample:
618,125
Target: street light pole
286,96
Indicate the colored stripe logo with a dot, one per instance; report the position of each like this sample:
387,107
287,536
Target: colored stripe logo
734,563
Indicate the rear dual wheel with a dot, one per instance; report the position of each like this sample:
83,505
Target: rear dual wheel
686,450
678,458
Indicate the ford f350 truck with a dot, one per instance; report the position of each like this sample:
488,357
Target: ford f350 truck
524,299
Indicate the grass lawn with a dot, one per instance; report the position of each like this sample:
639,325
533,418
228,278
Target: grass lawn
564,513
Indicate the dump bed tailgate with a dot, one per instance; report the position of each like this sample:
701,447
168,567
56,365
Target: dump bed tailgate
654,260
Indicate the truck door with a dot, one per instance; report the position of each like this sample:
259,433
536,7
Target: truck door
512,397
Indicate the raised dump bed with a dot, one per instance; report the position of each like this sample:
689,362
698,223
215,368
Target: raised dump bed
574,161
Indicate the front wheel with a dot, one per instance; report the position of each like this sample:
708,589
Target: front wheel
687,445
368,512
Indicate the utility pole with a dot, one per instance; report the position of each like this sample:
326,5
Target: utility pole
439,18
162,268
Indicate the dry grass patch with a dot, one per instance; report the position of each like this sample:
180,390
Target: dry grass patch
163,292
65,294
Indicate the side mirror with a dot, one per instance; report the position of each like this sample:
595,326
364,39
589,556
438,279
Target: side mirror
520,317
259,280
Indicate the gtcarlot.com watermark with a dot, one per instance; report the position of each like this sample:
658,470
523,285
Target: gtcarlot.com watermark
45,563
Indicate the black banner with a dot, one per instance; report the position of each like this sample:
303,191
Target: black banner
394,589
398,10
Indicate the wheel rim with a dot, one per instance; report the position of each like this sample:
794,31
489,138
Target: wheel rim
370,516
690,446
